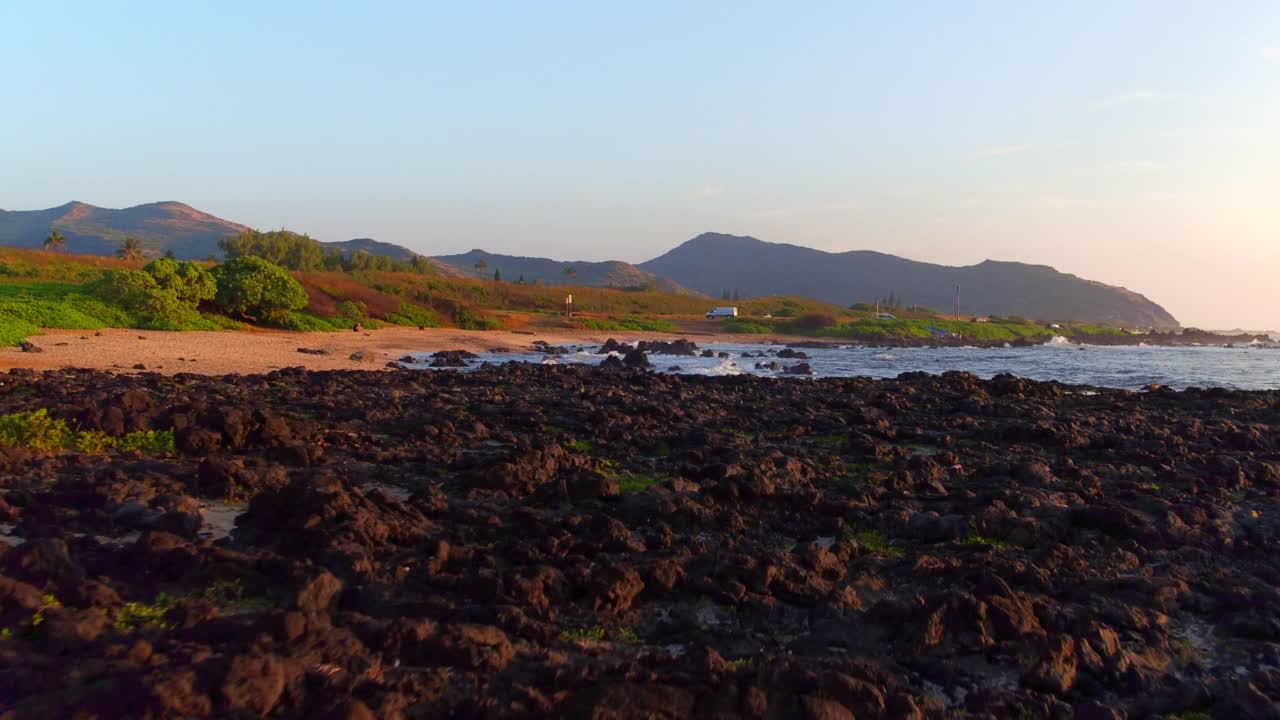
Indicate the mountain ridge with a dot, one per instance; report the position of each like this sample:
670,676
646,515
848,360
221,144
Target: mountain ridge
754,267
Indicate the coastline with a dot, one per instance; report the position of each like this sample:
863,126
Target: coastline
261,351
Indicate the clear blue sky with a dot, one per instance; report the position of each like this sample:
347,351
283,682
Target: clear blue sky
1136,143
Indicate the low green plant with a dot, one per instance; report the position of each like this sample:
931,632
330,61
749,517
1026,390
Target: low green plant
227,595
93,441
627,635
872,540
579,445
147,441
634,483
230,597
135,615
595,632
35,430
975,537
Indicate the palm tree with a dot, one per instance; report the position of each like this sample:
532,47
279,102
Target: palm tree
55,241
130,250
570,272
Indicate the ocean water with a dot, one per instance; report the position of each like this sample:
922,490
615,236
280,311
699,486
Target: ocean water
1132,367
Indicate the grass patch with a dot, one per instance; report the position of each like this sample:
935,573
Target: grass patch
745,327
638,324
577,445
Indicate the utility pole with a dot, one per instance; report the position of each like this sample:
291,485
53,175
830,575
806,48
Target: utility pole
957,302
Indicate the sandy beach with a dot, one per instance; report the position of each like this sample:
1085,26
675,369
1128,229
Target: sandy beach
257,351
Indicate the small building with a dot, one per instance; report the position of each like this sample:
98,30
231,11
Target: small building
982,319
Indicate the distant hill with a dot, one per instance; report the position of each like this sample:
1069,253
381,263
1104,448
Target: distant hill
609,273
100,231
163,226
714,262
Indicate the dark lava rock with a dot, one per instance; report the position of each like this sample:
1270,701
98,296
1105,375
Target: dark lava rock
790,354
452,358
674,347
771,365
313,351
30,347
636,359
800,369
543,346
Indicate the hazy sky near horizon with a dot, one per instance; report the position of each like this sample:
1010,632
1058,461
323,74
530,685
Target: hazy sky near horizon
1136,143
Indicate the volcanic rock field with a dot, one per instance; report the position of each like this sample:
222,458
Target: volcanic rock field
562,541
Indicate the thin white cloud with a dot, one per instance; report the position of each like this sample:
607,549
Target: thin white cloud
1271,54
709,190
1138,97
1000,150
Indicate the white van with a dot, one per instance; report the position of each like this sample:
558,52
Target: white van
722,312
886,316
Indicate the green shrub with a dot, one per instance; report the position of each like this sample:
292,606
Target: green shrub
127,288
148,441
252,287
35,430
93,441
189,282
353,311
168,303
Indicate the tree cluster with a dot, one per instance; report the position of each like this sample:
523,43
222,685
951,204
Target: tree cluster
299,252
